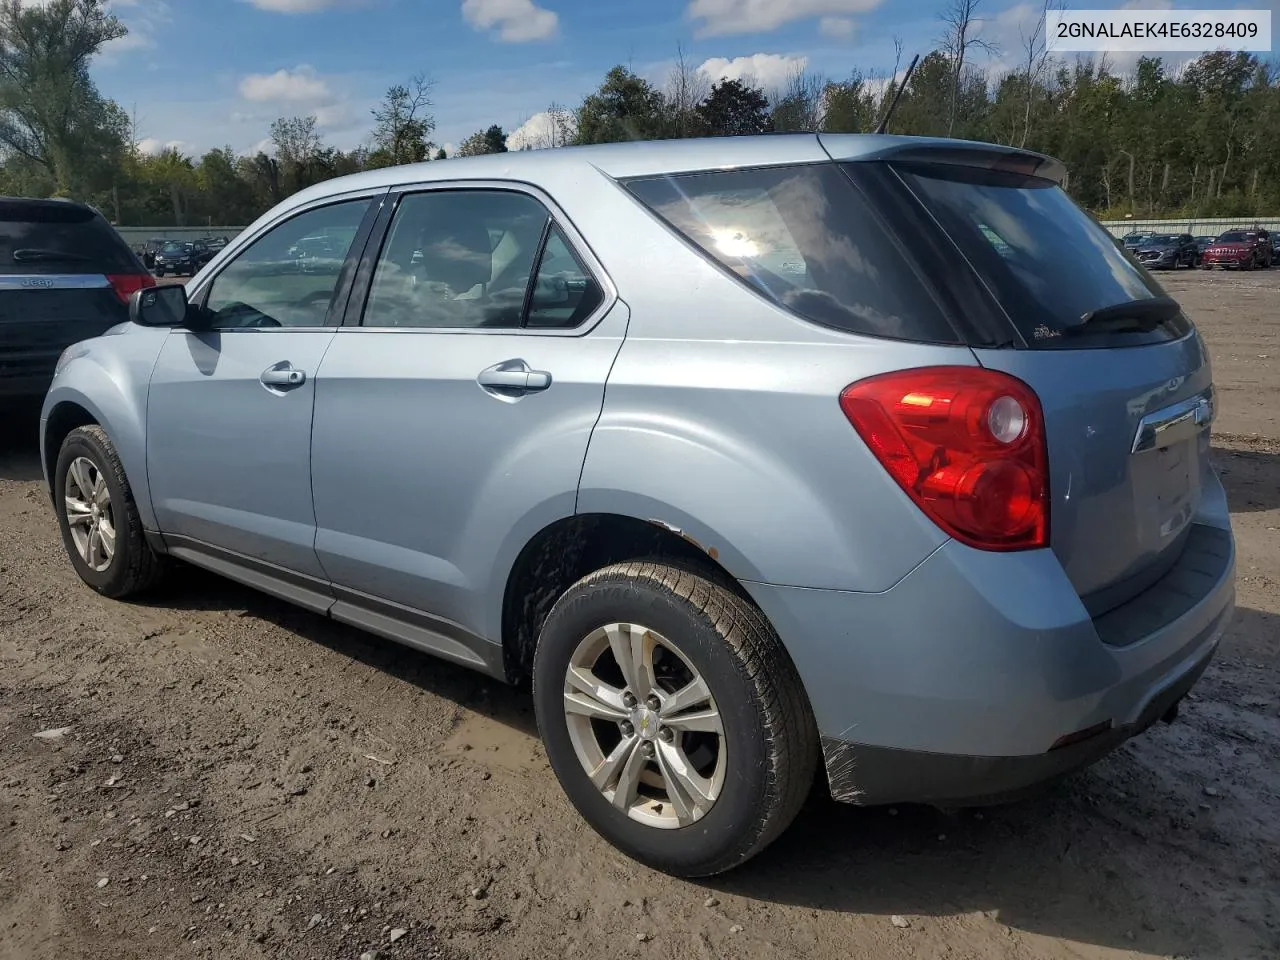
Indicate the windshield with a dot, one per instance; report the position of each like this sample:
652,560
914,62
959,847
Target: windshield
176,248
1234,236
1047,262
1163,239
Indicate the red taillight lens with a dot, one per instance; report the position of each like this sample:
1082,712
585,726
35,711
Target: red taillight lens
966,444
126,284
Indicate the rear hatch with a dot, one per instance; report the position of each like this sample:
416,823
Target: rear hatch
65,276
1122,375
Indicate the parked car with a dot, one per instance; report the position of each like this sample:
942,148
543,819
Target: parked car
147,251
65,276
941,525
1203,243
1168,251
1239,250
182,257
1132,241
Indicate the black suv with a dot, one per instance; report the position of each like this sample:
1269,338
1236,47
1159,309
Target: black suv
65,276
182,257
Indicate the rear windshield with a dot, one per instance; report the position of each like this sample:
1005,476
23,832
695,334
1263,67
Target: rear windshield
803,237
52,240
1046,261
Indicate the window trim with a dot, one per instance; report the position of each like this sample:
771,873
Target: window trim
346,273
359,297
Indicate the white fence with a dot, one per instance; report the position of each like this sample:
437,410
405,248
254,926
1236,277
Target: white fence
1211,227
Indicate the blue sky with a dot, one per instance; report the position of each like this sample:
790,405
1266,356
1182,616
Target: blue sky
204,73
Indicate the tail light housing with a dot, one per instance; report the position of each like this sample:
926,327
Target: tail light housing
126,284
967,445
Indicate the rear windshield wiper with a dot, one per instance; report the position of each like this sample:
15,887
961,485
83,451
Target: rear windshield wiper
1139,315
35,255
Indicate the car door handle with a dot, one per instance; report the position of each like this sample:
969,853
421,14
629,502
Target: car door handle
283,374
513,376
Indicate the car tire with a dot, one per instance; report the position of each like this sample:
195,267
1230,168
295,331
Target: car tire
103,534
753,771
159,273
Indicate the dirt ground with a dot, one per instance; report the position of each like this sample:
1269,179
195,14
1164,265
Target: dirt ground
242,779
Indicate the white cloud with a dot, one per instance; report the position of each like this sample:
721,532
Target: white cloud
767,70
718,17
152,146
517,21
841,28
301,6
300,86
542,131
335,115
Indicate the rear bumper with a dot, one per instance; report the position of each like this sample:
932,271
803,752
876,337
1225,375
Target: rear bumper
957,684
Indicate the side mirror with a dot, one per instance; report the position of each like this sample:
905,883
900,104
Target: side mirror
164,306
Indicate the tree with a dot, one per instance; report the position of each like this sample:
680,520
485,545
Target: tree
960,35
441,155
495,140
687,88
849,106
402,126
798,106
733,108
626,107
52,117
492,140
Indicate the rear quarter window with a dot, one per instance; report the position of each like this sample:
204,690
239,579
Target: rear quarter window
803,238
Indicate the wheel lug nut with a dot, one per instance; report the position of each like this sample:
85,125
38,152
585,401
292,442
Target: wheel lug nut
666,734
647,746
652,702
627,729
628,699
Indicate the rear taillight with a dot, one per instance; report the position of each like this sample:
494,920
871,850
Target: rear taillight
968,447
126,284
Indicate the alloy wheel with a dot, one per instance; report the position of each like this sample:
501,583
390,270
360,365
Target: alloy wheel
90,516
644,725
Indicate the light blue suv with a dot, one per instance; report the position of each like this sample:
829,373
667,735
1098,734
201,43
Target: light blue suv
756,457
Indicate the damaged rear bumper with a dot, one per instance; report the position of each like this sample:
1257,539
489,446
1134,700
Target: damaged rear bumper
981,675
867,775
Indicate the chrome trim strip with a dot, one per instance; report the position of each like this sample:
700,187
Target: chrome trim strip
1175,423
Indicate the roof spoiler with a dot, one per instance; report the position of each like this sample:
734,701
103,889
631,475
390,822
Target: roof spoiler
965,153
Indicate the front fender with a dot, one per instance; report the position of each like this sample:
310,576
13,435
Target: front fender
107,378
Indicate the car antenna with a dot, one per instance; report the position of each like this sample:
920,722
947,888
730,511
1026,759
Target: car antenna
906,78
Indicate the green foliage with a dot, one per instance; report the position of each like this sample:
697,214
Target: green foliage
732,109
626,107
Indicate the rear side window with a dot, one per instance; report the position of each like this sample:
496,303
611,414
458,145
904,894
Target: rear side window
52,238
803,237
1045,260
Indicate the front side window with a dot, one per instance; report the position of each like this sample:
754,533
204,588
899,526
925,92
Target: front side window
804,238
457,259
277,282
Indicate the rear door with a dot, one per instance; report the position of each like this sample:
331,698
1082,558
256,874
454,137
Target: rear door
65,276
1127,397
453,411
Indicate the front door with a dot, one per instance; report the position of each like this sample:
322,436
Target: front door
230,406
452,424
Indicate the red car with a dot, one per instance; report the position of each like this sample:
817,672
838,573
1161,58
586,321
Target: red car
1239,250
